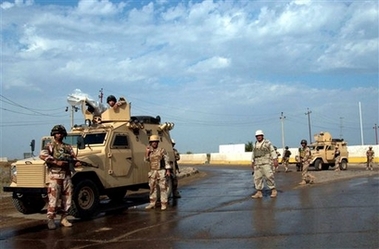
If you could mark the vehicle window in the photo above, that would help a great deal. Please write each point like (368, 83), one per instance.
(91, 139)
(120, 141)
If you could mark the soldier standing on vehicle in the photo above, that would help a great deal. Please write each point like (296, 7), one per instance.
(174, 179)
(305, 158)
(286, 158)
(263, 154)
(337, 158)
(159, 170)
(370, 158)
(58, 155)
(113, 103)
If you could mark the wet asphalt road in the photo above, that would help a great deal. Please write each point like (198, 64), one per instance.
(217, 211)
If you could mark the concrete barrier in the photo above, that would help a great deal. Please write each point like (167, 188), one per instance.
(3, 159)
(357, 154)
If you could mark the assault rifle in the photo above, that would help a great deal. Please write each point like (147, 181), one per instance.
(72, 162)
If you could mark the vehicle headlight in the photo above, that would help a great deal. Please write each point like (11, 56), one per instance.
(14, 172)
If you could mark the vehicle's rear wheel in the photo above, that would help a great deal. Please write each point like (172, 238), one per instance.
(28, 204)
(85, 199)
(343, 164)
(318, 164)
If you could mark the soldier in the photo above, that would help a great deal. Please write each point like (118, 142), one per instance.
(113, 103)
(337, 158)
(174, 179)
(286, 158)
(370, 158)
(277, 155)
(305, 158)
(159, 170)
(58, 156)
(263, 154)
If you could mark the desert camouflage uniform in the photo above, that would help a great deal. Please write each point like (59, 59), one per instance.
(337, 159)
(157, 175)
(173, 174)
(305, 159)
(286, 159)
(262, 156)
(60, 185)
(370, 158)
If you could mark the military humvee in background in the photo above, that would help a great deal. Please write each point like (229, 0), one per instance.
(111, 148)
(322, 150)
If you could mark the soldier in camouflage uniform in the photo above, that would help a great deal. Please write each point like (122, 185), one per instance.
(159, 170)
(370, 158)
(174, 179)
(113, 103)
(286, 158)
(274, 169)
(305, 158)
(262, 157)
(58, 156)
(337, 158)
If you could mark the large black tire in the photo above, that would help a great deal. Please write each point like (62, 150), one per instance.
(318, 164)
(85, 200)
(28, 204)
(343, 164)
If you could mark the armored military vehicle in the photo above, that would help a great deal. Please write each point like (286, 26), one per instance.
(111, 147)
(323, 148)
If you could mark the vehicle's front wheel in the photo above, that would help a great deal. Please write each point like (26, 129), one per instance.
(343, 164)
(28, 204)
(318, 164)
(85, 199)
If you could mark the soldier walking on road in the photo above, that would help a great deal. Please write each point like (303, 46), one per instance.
(305, 158)
(263, 154)
(159, 171)
(57, 156)
(370, 158)
(286, 158)
(337, 158)
(174, 178)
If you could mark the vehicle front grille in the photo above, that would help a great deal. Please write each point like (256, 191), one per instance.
(31, 175)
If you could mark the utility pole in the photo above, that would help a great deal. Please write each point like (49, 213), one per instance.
(73, 109)
(282, 121)
(376, 133)
(341, 126)
(101, 95)
(309, 125)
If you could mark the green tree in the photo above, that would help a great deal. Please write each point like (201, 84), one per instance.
(249, 146)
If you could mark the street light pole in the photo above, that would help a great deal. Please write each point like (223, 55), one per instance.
(309, 124)
(282, 121)
(376, 133)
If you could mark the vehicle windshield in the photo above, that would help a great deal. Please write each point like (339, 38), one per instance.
(97, 138)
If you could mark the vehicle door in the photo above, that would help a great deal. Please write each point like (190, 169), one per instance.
(329, 153)
(120, 155)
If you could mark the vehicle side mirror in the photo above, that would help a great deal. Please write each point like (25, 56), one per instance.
(32, 145)
(80, 143)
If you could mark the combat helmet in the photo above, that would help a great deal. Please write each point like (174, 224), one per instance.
(154, 138)
(111, 98)
(58, 129)
(304, 142)
(286, 147)
(259, 133)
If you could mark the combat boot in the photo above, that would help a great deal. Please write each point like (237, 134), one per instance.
(150, 206)
(274, 193)
(163, 206)
(303, 182)
(257, 195)
(177, 195)
(51, 224)
(286, 170)
(65, 222)
(337, 169)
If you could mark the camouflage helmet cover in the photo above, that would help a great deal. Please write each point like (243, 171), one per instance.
(58, 129)
(154, 138)
(303, 141)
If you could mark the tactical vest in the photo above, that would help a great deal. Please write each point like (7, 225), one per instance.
(262, 153)
(156, 159)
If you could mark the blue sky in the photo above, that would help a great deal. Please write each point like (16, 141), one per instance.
(218, 69)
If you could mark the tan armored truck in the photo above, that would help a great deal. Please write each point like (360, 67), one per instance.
(322, 150)
(111, 147)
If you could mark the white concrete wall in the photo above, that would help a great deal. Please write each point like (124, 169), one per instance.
(231, 148)
(357, 154)
(3, 159)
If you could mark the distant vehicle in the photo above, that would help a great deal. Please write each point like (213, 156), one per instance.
(111, 149)
(323, 148)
